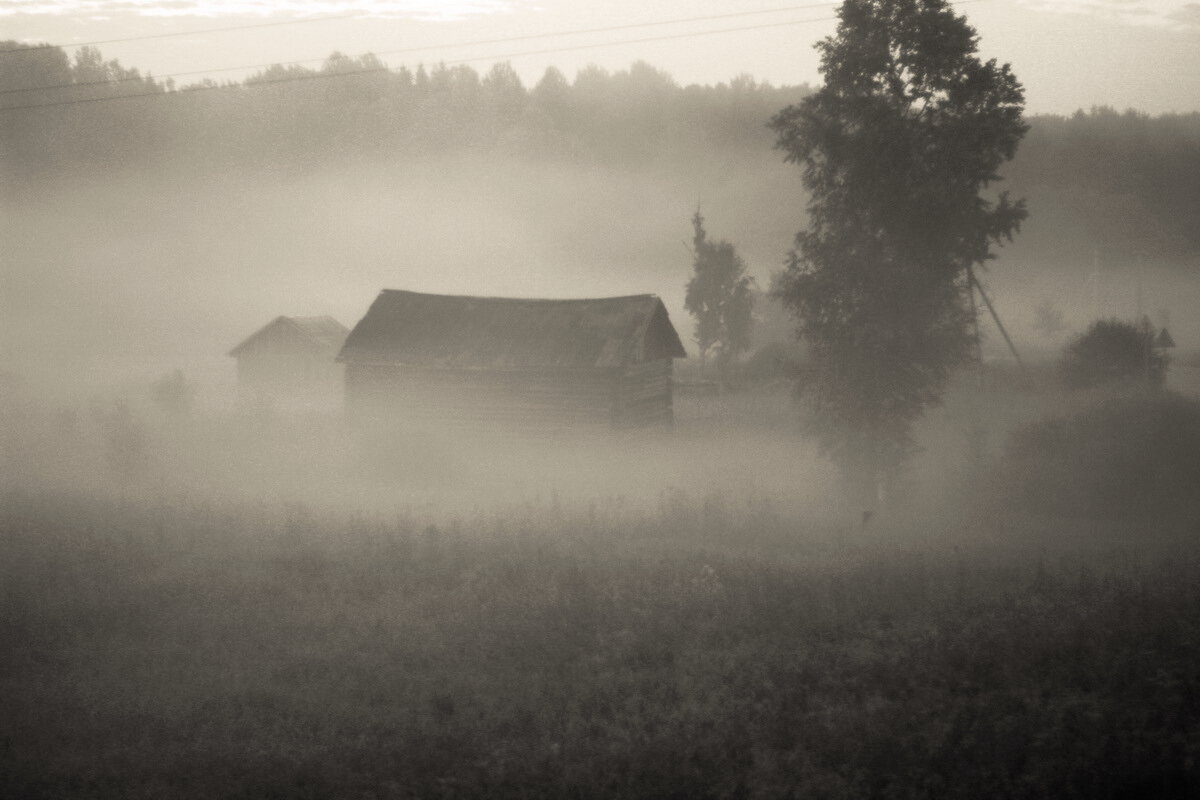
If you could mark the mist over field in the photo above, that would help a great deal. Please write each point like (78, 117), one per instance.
(210, 592)
(229, 206)
(222, 254)
(113, 282)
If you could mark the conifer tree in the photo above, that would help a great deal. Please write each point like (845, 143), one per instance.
(718, 296)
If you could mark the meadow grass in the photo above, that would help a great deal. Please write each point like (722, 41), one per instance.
(710, 646)
(241, 606)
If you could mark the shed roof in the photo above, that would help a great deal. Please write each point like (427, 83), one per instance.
(319, 333)
(461, 332)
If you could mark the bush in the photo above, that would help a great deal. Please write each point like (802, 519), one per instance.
(1114, 352)
(173, 394)
(1135, 456)
(771, 362)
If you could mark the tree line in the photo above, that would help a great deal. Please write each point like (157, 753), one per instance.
(1125, 180)
(351, 108)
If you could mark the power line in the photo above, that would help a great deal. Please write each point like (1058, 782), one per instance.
(377, 70)
(384, 69)
(36, 48)
(409, 50)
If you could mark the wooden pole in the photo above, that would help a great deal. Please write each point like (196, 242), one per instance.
(977, 433)
(996, 317)
(975, 323)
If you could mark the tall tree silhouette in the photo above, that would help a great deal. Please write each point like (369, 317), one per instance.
(718, 296)
(896, 148)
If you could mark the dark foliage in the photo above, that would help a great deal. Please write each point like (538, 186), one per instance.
(719, 297)
(1134, 457)
(1112, 352)
(294, 118)
(897, 147)
(774, 361)
(1125, 182)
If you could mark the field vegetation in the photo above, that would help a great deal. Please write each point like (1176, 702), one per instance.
(202, 599)
(685, 627)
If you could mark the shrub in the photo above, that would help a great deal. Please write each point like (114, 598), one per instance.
(124, 440)
(771, 362)
(1135, 456)
(1114, 352)
(173, 394)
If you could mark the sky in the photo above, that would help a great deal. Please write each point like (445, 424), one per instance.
(1070, 54)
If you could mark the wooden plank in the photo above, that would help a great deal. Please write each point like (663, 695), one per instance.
(532, 398)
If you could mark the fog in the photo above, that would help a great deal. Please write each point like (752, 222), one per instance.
(138, 272)
(157, 270)
(114, 279)
(215, 587)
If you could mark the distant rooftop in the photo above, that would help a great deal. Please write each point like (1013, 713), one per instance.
(464, 332)
(323, 333)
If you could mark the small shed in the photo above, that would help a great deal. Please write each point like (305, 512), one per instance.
(291, 357)
(527, 363)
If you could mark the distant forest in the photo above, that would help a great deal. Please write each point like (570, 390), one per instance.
(1126, 181)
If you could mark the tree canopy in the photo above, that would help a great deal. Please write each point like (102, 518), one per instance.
(718, 296)
(1121, 182)
(897, 148)
(1113, 352)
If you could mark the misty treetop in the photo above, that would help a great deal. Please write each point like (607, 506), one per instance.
(719, 297)
(1125, 183)
(352, 107)
(907, 130)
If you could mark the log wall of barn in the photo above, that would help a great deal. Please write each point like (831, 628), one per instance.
(644, 395)
(542, 400)
(286, 370)
(559, 400)
(276, 365)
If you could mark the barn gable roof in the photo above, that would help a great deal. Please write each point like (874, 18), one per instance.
(460, 332)
(318, 333)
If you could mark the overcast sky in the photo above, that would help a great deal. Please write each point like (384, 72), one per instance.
(1070, 54)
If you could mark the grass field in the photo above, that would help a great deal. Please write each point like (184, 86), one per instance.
(711, 635)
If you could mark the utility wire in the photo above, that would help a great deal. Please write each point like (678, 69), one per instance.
(408, 50)
(36, 48)
(377, 70)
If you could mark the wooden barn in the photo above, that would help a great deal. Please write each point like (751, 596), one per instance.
(291, 358)
(547, 365)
